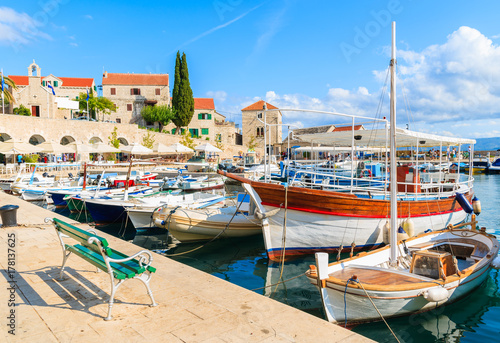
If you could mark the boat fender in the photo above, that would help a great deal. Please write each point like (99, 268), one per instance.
(409, 227)
(159, 223)
(435, 295)
(387, 232)
(462, 200)
(402, 235)
(496, 263)
(476, 205)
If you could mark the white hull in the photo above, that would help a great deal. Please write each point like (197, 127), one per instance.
(406, 296)
(308, 232)
(188, 225)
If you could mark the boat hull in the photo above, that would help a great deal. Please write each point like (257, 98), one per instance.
(188, 225)
(319, 220)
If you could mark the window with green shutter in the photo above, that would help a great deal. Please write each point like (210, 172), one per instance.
(173, 131)
(204, 131)
(56, 83)
(209, 116)
(43, 83)
(200, 116)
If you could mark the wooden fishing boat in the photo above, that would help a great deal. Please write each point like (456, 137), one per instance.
(304, 220)
(410, 275)
(432, 269)
(322, 220)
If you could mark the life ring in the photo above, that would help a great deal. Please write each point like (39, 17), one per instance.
(368, 173)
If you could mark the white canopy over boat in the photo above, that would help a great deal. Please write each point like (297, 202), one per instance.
(380, 138)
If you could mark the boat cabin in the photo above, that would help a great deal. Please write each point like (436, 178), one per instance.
(433, 264)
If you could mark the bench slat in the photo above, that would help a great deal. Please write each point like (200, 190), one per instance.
(96, 259)
(81, 236)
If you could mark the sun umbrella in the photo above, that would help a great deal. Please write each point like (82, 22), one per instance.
(16, 147)
(207, 147)
(136, 149)
(103, 148)
(178, 147)
(163, 149)
(80, 148)
(53, 148)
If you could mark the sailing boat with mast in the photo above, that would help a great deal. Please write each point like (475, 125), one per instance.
(408, 276)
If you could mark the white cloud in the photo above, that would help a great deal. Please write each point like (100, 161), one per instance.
(19, 28)
(73, 44)
(88, 16)
(219, 96)
(455, 84)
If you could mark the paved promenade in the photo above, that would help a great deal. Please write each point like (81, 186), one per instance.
(193, 306)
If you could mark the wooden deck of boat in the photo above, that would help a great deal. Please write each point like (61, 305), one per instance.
(375, 277)
(193, 306)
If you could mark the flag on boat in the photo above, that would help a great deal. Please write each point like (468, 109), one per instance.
(3, 82)
(50, 86)
(88, 94)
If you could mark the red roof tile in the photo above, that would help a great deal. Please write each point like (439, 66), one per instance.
(67, 81)
(135, 79)
(259, 105)
(204, 104)
(348, 128)
(20, 80)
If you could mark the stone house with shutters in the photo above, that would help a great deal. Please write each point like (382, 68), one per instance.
(208, 123)
(253, 126)
(131, 92)
(35, 94)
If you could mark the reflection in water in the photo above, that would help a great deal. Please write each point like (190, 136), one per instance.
(243, 261)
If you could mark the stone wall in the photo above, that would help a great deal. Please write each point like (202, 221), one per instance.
(250, 123)
(123, 97)
(23, 128)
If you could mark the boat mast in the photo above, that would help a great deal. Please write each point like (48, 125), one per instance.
(393, 171)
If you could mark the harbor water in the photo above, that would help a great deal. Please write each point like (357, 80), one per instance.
(243, 262)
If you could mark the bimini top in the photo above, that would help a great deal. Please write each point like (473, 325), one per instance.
(380, 138)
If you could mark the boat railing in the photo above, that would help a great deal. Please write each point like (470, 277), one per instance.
(430, 185)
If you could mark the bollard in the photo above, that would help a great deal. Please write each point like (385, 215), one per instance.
(9, 215)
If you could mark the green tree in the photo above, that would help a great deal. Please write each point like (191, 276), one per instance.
(182, 100)
(96, 105)
(177, 79)
(148, 140)
(162, 114)
(113, 139)
(8, 95)
(22, 111)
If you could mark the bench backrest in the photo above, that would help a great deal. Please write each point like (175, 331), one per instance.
(81, 236)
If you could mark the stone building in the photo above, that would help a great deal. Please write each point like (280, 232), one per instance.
(253, 127)
(208, 124)
(34, 93)
(131, 92)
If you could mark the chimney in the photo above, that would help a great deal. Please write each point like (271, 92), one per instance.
(105, 75)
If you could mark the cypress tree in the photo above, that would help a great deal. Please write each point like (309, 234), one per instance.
(184, 102)
(177, 81)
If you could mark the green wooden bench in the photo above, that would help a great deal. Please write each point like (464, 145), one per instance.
(96, 250)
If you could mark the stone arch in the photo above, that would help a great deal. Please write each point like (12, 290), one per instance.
(94, 140)
(4, 137)
(36, 139)
(123, 141)
(66, 140)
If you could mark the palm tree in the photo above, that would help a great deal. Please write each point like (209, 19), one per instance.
(8, 95)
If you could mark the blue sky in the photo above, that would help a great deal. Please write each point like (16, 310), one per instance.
(324, 54)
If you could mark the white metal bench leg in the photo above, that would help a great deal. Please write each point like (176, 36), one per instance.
(65, 258)
(145, 278)
(112, 296)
